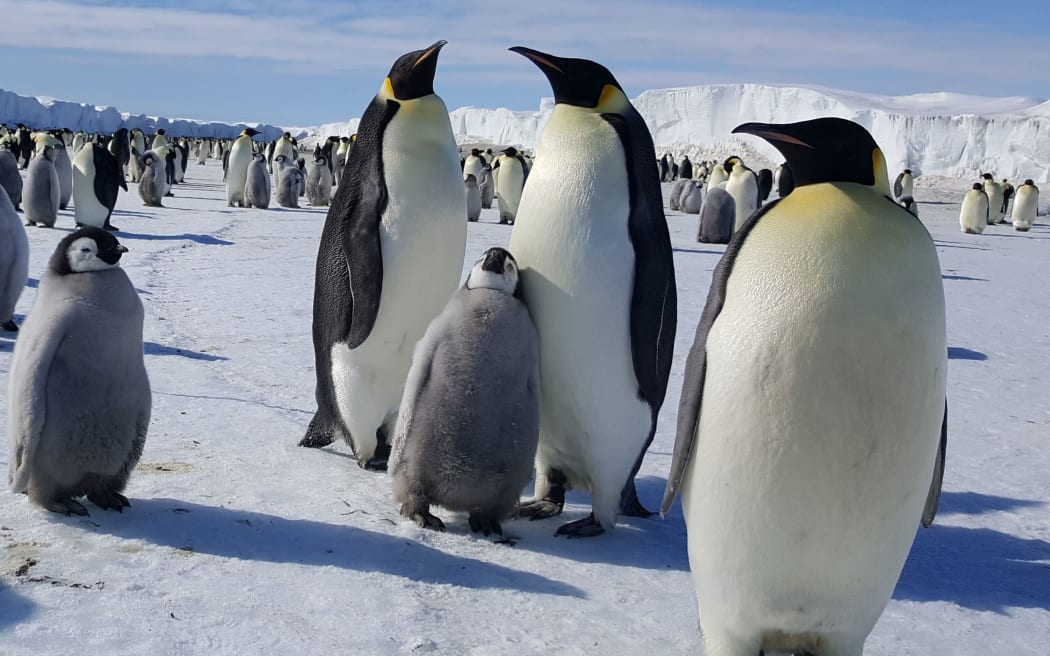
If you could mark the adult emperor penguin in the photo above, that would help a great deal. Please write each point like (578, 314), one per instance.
(237, 167)
(97, 175)
(812, 406)
(742, 185)
(120, 146)
(1026, 204)
(509, 173)
(10, 179)
(159, 140)
(974, 211)
(14, 261)
(473, 164)
(903, 185)
(470, 417)
(78, 394)
(594, 251)
(391, 255)
(995, 199)
(718, 176)
(283, 146)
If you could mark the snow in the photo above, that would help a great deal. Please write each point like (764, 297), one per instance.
(240, 542)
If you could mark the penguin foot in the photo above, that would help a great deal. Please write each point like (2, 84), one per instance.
(108, 500)
(66, 507)
(423, 517)
(588, 527)
(485, 524)
(110, 226)
(541, 508)
(379, 459)
(629, 503)
(9, 326)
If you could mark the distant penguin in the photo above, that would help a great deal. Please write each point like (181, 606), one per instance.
(995, 199)
(14, 261)
(903, 185)
(301, 165)
(717, 216)
(202, 151)
(487, 187)
(391, 255)
(691, 197)
(473, 164)
(277, 166)
(319, 182)
(700, 171)
(785, 181)
(257, 183)
(151, 180)
(664, 169)
(594, 250)
(96, 180)
(685, 169)
(974, 211)
(159, 141)
(79, 398)
(908, 203)
(473, 198)
(718, 176)
(40, 195)
(10, 178)
(673, 201)
(510, 180)
(135, 165)
(24, 143)
(182, 154)
(1026, 205)
(64, 169)
(765, 185)
(166, 155)
(291, 181)
(283, 147)
(120, 146)
(237, 167)
(1008, 193)
(812, 422)
(469, 420)
(742, 185)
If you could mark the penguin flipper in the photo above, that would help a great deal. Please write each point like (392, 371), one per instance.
(934, 496)
(898, 188)
(696, 362)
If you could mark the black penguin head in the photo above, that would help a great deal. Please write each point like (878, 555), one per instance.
(978, 186)
(510, 151)
(907, 171)
(986, 176)
(1029, 182)
(826, 150)
(160, 131)
(475, 152)
(730, 162)
(496, 269)
(249, 132)
(412, 75)
(579, 82)
(86, 250)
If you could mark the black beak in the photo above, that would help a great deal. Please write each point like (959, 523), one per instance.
(494, 260)
(770, 133)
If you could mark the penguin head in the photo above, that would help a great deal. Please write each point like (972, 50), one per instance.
(826, 150)
(907, 171)
(579, 82)
(249, 132)
(496, 269)
(86, 250)
(730, 162)
(510, 151)
(1029, 183)
(978, 186)
(475, 152)
(320, 160)
(48, 152)
(412, 75)
(986, 176)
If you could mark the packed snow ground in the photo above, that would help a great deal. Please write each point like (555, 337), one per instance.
(240, 542)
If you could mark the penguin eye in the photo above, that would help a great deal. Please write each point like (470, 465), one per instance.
(85, 250)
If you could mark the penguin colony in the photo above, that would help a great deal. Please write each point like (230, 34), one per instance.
(462, 391)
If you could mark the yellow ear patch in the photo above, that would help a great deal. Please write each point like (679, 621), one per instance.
(387, 90)
(878, 168)
(611, 100)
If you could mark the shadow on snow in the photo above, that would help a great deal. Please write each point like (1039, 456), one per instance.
(960, 353)
(153, 348)
(14, 608)
(206, 240)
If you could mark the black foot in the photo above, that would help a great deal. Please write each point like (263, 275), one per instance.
(66, 507)
(9, 326)
(485, 524)
(423, 518)
(550, 505)
(316, 435)
(629, 503)
(109, 501)
(588, 527)
(378, 460)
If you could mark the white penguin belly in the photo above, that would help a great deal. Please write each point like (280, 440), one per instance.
(1025, 205)
(237, 169)
(820, 419)
(86, 207)
(423, 241)
(973, 215)
(577, 262)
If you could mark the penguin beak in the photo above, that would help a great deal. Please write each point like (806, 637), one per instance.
(123, 248)
(432, 50)
(770, 132)
(412, 75)
(547, 63)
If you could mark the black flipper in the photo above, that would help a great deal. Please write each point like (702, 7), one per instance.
(654, 299)
(696, 363)
(108, 178)
(898, 188)
(933, 499)
(349, 277)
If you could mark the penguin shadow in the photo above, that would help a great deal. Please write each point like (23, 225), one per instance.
(14, 608)
(956, 277)
(977, 568)
(298, 210)
(246, 535)
(7, 340)
(960, 353)
(975, 503)
(32, 283)
(697, 251)
(153, 348)
(205, 240)
(235, 399)
(939, 243)
(140, 215)
(653, 542)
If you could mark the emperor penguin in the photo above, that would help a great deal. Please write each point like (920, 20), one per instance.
(995, 199)
(742, 185)
(718, 176)
(159, 140)
(64, 169)
(974, 211)
(203, 147)
(288, 186)
(486, 187)
(717, 216)
(151, 180)
(319, 182)
(237, 167)
(1008, 193)
(1026, 204)
(812, 423)
(41, 192)
(391, 255)
(903, 185)
(120, 146)
(473, 198)
(470, 417)
(765, 185)
(78, 394)
(509, 172)
(785, 181)
(691, 196)
(594, 251)
(97, 176)
(473, 164)
(257, 183)
(685, 169)
(14, 261)
(676, 191)
(283, 146)
(10, 178)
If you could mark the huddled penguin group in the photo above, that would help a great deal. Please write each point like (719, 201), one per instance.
(812, 422)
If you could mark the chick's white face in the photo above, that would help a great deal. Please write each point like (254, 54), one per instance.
(499, 273)
(83, 257)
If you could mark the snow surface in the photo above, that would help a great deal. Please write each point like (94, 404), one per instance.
(240, 542)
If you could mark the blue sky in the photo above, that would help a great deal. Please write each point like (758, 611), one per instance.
(305, 62)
